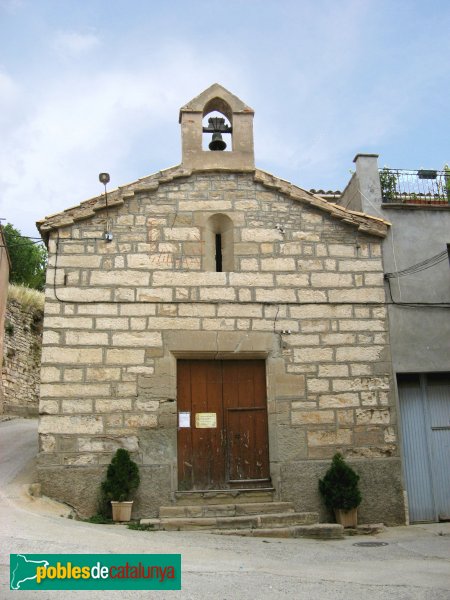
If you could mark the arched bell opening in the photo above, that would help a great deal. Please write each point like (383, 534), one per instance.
(217, 126)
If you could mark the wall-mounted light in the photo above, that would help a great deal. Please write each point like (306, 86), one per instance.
(107, 235)
(104, 178)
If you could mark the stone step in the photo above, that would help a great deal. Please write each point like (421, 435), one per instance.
(225, 510)
(264, 521)
(233, 496)
(318, 531)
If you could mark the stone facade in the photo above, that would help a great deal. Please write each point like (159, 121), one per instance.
(21, 359)
(303, 290)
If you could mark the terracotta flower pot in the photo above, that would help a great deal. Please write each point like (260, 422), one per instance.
(121, 511)
(346, 518)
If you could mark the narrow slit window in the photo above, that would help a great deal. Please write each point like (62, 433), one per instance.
(219, 244)
(218, 252)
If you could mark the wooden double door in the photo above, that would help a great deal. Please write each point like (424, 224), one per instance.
(222, 424)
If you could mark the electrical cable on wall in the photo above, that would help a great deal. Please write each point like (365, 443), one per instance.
(414, 304)
(412, 270)
(216, 302)
(422, 266)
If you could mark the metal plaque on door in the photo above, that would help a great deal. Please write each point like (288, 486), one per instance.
(206, 420)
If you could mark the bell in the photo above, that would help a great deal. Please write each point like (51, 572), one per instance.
(217, 142)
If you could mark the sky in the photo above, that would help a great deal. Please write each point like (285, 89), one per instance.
(88, 86)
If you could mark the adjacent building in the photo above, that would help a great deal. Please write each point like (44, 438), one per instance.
(416, 203)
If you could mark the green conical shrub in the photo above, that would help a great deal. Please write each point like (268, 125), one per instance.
(339, 487)
(122, 480)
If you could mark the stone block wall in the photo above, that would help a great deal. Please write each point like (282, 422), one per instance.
(21, 359)
(305, 293)
(4, 278)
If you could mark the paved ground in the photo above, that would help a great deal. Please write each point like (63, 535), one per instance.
(414, 565)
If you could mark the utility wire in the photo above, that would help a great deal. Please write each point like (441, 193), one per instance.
(414, 304)
(30, 243)
(387, 276)
(422, 266)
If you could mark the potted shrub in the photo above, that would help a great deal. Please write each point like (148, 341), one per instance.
(340, 491)
(122, 480)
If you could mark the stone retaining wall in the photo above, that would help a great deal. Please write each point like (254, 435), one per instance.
(21, 359)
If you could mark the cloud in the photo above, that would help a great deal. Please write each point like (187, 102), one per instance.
(72, 44)
(325, 83)
(9, 89)
(12, 5)
(120, 120)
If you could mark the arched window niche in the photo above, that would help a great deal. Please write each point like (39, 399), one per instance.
(219, 243)
(218, 107)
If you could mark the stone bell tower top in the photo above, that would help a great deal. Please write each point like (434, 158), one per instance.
(217, 98)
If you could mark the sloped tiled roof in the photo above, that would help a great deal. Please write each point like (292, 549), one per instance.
(87, 209)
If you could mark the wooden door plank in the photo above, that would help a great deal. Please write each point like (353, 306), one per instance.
(201, 392)
(237, 449)
(246, 406)
(210, 471)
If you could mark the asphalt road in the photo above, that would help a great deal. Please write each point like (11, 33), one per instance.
(413, 565)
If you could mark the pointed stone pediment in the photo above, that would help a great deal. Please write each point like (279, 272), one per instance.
(203, 101)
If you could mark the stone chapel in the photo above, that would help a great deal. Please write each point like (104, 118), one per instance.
(225, 326)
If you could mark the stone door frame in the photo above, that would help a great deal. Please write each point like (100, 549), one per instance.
(212, 345)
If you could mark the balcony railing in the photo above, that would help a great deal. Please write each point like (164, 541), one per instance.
(423, 186)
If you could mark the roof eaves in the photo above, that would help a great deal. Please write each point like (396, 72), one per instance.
(88, 208)
(150, 183)
(364, 222)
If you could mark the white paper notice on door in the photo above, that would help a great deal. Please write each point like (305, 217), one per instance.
(206, 420)
(184, 419)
